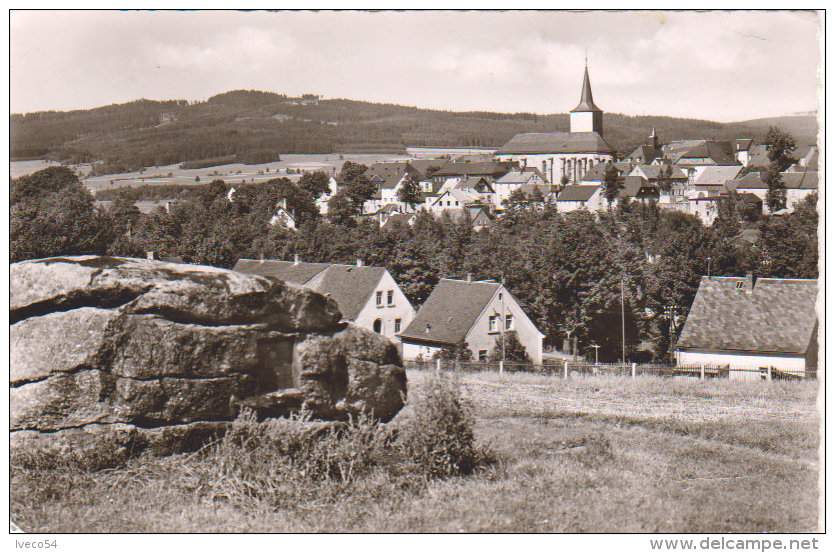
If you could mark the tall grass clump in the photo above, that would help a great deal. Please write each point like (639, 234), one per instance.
(438, 437)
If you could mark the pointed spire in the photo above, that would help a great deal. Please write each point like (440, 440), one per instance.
(586, 101)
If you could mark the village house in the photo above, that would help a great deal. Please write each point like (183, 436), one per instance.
(322, 201)
(648, 152)
(477, 312)
(806, 156)
(564, 155)
(282, 216)
(579, 196)
(368, 296)
(506, 185)
(798, 186)
(752, 323)
(490, 169)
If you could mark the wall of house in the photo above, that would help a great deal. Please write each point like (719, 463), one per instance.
(554, 166)
(387, 313)
(481, 338)
(795, 365)
(413, 351)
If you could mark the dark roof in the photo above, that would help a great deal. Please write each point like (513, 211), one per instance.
(598, 171)
(807, 180)
(423, 165)
(758, 154)
(556, 142)
(530, 189)
(396, 218)
(718, 152)
(646, 152)
(777, 316)
(349, 285)
(632, 187)
(576, 193)
(717, 174)
(450, 311)
(586, 100)
(652, 172)
(298, 273)
(743, 144)
(482, 168)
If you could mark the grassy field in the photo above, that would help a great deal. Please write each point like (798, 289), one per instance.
(586, 455)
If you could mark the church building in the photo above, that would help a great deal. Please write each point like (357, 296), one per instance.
(564, 157)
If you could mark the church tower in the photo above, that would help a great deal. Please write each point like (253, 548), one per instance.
(586, 117)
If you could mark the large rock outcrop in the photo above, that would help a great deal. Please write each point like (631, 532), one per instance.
(160, 356)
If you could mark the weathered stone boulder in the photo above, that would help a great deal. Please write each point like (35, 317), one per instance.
(160, 356)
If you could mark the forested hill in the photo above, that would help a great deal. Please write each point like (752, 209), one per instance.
(257, 126)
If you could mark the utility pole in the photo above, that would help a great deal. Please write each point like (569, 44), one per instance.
(622, 324)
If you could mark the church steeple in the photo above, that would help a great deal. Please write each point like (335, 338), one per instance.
(586, 117)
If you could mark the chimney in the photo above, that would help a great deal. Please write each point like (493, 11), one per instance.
(295, 259)
(469, 277)
(359, 262)
(428, 327)
(261, 258)
(149, 255)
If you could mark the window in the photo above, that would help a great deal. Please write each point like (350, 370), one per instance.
(397, 323)
(482, 355)
(508, 322)
(378, 326)
(390, 297)
(494, 323)
(379, 298)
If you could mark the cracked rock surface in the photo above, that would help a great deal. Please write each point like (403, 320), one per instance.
(161, 356)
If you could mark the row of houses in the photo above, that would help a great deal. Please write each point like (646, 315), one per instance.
(746, 325)
(476, 312)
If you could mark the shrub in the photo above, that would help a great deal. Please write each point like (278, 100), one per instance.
(439, 435)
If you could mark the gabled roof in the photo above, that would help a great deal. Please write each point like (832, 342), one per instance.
(807, 180)
(298, 273)
(598, 171)
(520, 176)
(717, 175)
(777, 316)
(349, 285)
(395, 219)
(652, 171)
(556, 143)
(646, 152)
(423, 165)
(450, 311)
(717, 152)
(485, 168)
(758, 154)
(530, 189)
(470, 183)
(632, 187)
(576, 193)
(743, 144)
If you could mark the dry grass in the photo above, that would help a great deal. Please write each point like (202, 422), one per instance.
(592, 455)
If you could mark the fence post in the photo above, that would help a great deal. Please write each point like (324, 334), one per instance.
(701, 372)
(438, 365)
(565, 370)
(501, 367)
(634, 367)
(769, 373)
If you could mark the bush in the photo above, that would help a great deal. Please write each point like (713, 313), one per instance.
(439, 435)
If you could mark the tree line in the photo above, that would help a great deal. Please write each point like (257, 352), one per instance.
(566, 270)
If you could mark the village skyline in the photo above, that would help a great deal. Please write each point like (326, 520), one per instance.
(642, 63)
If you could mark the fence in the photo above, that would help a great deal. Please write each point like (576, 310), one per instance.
(567, 369)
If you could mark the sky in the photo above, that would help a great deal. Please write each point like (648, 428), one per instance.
(722, 66)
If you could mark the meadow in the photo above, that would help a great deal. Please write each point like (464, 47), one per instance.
(596, 454)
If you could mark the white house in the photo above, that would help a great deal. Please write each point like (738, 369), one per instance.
(573, 197)
(564, 154)
(752, 323)
(322, 202)
(798, 185)
(477, 312)
(282, 216)
(368, 296)
(506, 185)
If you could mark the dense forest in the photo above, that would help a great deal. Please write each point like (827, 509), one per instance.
(258, 126)
(565, 269)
